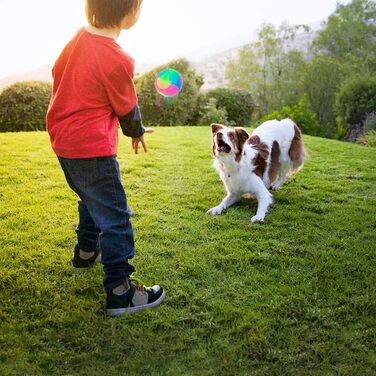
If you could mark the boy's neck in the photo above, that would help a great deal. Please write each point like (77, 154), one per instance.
(109, 33)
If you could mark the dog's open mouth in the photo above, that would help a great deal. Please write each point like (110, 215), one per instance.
(222, 147)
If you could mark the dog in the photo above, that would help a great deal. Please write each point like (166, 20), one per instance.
(253, 164)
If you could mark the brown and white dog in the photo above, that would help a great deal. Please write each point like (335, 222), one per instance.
(251, 164)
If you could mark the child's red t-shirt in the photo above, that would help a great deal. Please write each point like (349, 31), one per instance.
(93, 86)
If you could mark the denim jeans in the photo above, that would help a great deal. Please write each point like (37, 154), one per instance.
(104, 215)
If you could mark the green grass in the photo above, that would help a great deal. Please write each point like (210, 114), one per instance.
(292, 296)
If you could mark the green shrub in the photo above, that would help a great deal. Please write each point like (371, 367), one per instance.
(355, 101)
(305, 119)
(213, 114)
(239, 104)
(370, 122)
(23, 106)
(180, 110)
(368, 139)
(371, 138)
(321, 81)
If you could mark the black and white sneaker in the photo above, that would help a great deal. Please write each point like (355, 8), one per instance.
(129, 298)
(84, 259)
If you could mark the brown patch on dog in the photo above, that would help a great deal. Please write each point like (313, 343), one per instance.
(254, 140)
(241, 136)
(297, 151)
(214, 129)
(275, 164)
(260, 160)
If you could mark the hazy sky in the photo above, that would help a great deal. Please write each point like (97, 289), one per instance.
(33, 32)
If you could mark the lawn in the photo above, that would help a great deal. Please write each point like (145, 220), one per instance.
(295, 295)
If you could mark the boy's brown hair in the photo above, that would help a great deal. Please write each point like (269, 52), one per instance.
(108, 13)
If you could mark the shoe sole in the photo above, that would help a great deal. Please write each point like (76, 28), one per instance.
(131, 310)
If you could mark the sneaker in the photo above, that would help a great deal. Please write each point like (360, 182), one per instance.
(84, 259)
(129, 298)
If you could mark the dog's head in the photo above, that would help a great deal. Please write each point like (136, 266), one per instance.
(227, 141)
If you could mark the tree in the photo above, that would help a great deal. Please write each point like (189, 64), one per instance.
(287, 88)
(322, 79)
(349, 35)
(239, 104)
(180, 110)
(266, 67)
(244, 73)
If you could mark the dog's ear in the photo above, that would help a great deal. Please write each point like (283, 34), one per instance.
(216, 127)
(254, 140)
(242, 135)
(241, 138)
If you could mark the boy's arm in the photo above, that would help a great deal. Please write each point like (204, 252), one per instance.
(131, 123)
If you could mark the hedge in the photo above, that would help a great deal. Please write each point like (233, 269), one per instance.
(179, 110)
(23, 106)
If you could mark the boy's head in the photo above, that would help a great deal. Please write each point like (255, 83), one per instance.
(106, 14)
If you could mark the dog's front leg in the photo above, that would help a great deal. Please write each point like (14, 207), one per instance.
(264, 199)
(229, 200)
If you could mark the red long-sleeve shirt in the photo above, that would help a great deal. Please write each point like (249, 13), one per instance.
(93, 86)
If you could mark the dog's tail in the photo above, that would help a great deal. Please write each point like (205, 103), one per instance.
(297, 151)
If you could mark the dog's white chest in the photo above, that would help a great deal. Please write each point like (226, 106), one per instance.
(235, 180)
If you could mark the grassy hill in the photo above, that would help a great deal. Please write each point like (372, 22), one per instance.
(292, 296)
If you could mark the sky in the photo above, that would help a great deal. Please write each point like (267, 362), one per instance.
(33, 32)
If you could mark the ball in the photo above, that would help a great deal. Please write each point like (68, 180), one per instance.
(168, 82)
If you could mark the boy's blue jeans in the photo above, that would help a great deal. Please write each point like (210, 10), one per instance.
(104, 215)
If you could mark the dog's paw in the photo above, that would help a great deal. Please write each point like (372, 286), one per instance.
(277, 185)
(217, 210)
(258, 218)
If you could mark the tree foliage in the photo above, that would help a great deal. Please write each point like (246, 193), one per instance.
(279, 76)
(322, 79)
(180, 110)
(23, 106)
(355, 102)
(267, 67)
(239, 104)
(212, 113)
(349, 35)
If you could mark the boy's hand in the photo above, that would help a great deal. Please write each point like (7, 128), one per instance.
(136, 141)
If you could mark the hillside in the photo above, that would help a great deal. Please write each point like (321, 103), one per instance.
(213, 67)
(210, 62)
(44, 74)
(292, 296)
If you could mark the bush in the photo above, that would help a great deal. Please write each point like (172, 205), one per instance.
(180, 110)
(23, 106)
(321, 81)
(212, 114)
(368, 139)
(355, 102)
(238, 104)
(305, 119)
(370, 122)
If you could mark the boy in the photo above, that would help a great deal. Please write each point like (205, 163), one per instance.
(93, 91)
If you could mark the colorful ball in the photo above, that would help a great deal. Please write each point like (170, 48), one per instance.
(168, 82)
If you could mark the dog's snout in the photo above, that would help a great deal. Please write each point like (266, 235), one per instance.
(219, 134)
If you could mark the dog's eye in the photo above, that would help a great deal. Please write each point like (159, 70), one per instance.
(232, 137)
